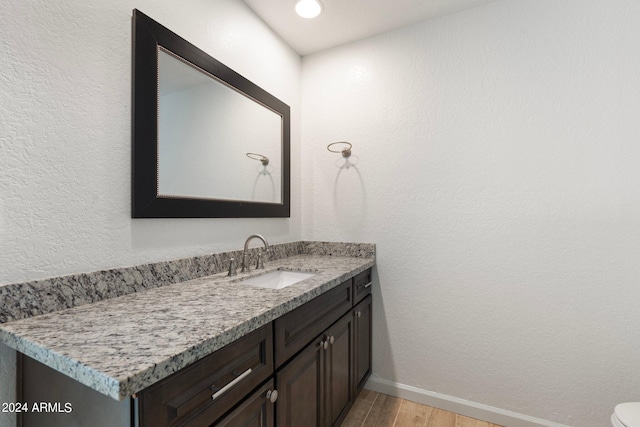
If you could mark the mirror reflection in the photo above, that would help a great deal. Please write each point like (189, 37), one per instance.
(205, 130)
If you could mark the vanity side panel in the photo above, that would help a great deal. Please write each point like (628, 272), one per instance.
(72, 403)
(8, 379)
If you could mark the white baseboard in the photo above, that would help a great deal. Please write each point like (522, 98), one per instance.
(460, 406)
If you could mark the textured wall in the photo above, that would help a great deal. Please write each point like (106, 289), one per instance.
(65, 135)
(496, 168)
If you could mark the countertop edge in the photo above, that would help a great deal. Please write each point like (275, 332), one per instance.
(84, 374)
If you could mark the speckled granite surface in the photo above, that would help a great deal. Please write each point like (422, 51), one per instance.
(121, 345)
(23, 300)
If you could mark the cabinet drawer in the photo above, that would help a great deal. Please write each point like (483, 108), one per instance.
(361, 286)
(296, 329)
(201, 393)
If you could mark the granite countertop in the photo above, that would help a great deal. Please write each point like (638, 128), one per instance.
(122, 345)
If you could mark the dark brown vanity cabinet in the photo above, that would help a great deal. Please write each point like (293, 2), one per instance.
(303, 369)
(318, 386)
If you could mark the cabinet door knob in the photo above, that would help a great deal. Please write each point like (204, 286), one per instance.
(358, 314)
(272, 395)
(324, 344)
(332, 339)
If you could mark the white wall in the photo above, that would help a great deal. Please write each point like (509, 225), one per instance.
(496, 167)
(65, 136)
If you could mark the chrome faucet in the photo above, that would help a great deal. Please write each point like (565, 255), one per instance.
(245, 253)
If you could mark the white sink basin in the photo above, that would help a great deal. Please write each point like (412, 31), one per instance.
(277, 279)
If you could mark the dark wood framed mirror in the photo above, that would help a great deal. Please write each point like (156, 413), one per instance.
(207, 142)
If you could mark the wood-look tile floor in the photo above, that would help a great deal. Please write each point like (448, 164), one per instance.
(373, 409)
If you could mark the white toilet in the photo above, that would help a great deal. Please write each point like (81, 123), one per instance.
(626, 415)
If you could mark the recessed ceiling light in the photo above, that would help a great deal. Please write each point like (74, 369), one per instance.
(308, 8)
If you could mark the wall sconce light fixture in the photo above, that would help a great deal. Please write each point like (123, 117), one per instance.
(346, 150)
(263, 159)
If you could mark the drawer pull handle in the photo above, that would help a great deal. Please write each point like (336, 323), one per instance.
(368, 285)
(231, 384)
(272, 395)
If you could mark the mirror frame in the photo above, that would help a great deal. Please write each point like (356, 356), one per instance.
(148, 35)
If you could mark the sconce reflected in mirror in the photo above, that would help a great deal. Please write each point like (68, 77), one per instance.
(262, 187)
(346, 150)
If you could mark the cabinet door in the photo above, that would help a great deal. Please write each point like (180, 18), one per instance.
(300, 384)
(339, 370)
(256, 411)
(363, 319)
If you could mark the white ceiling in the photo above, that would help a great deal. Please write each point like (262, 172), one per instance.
(344, 21)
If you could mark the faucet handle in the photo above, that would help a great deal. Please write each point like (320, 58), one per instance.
(232, 267)
(260, 263)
